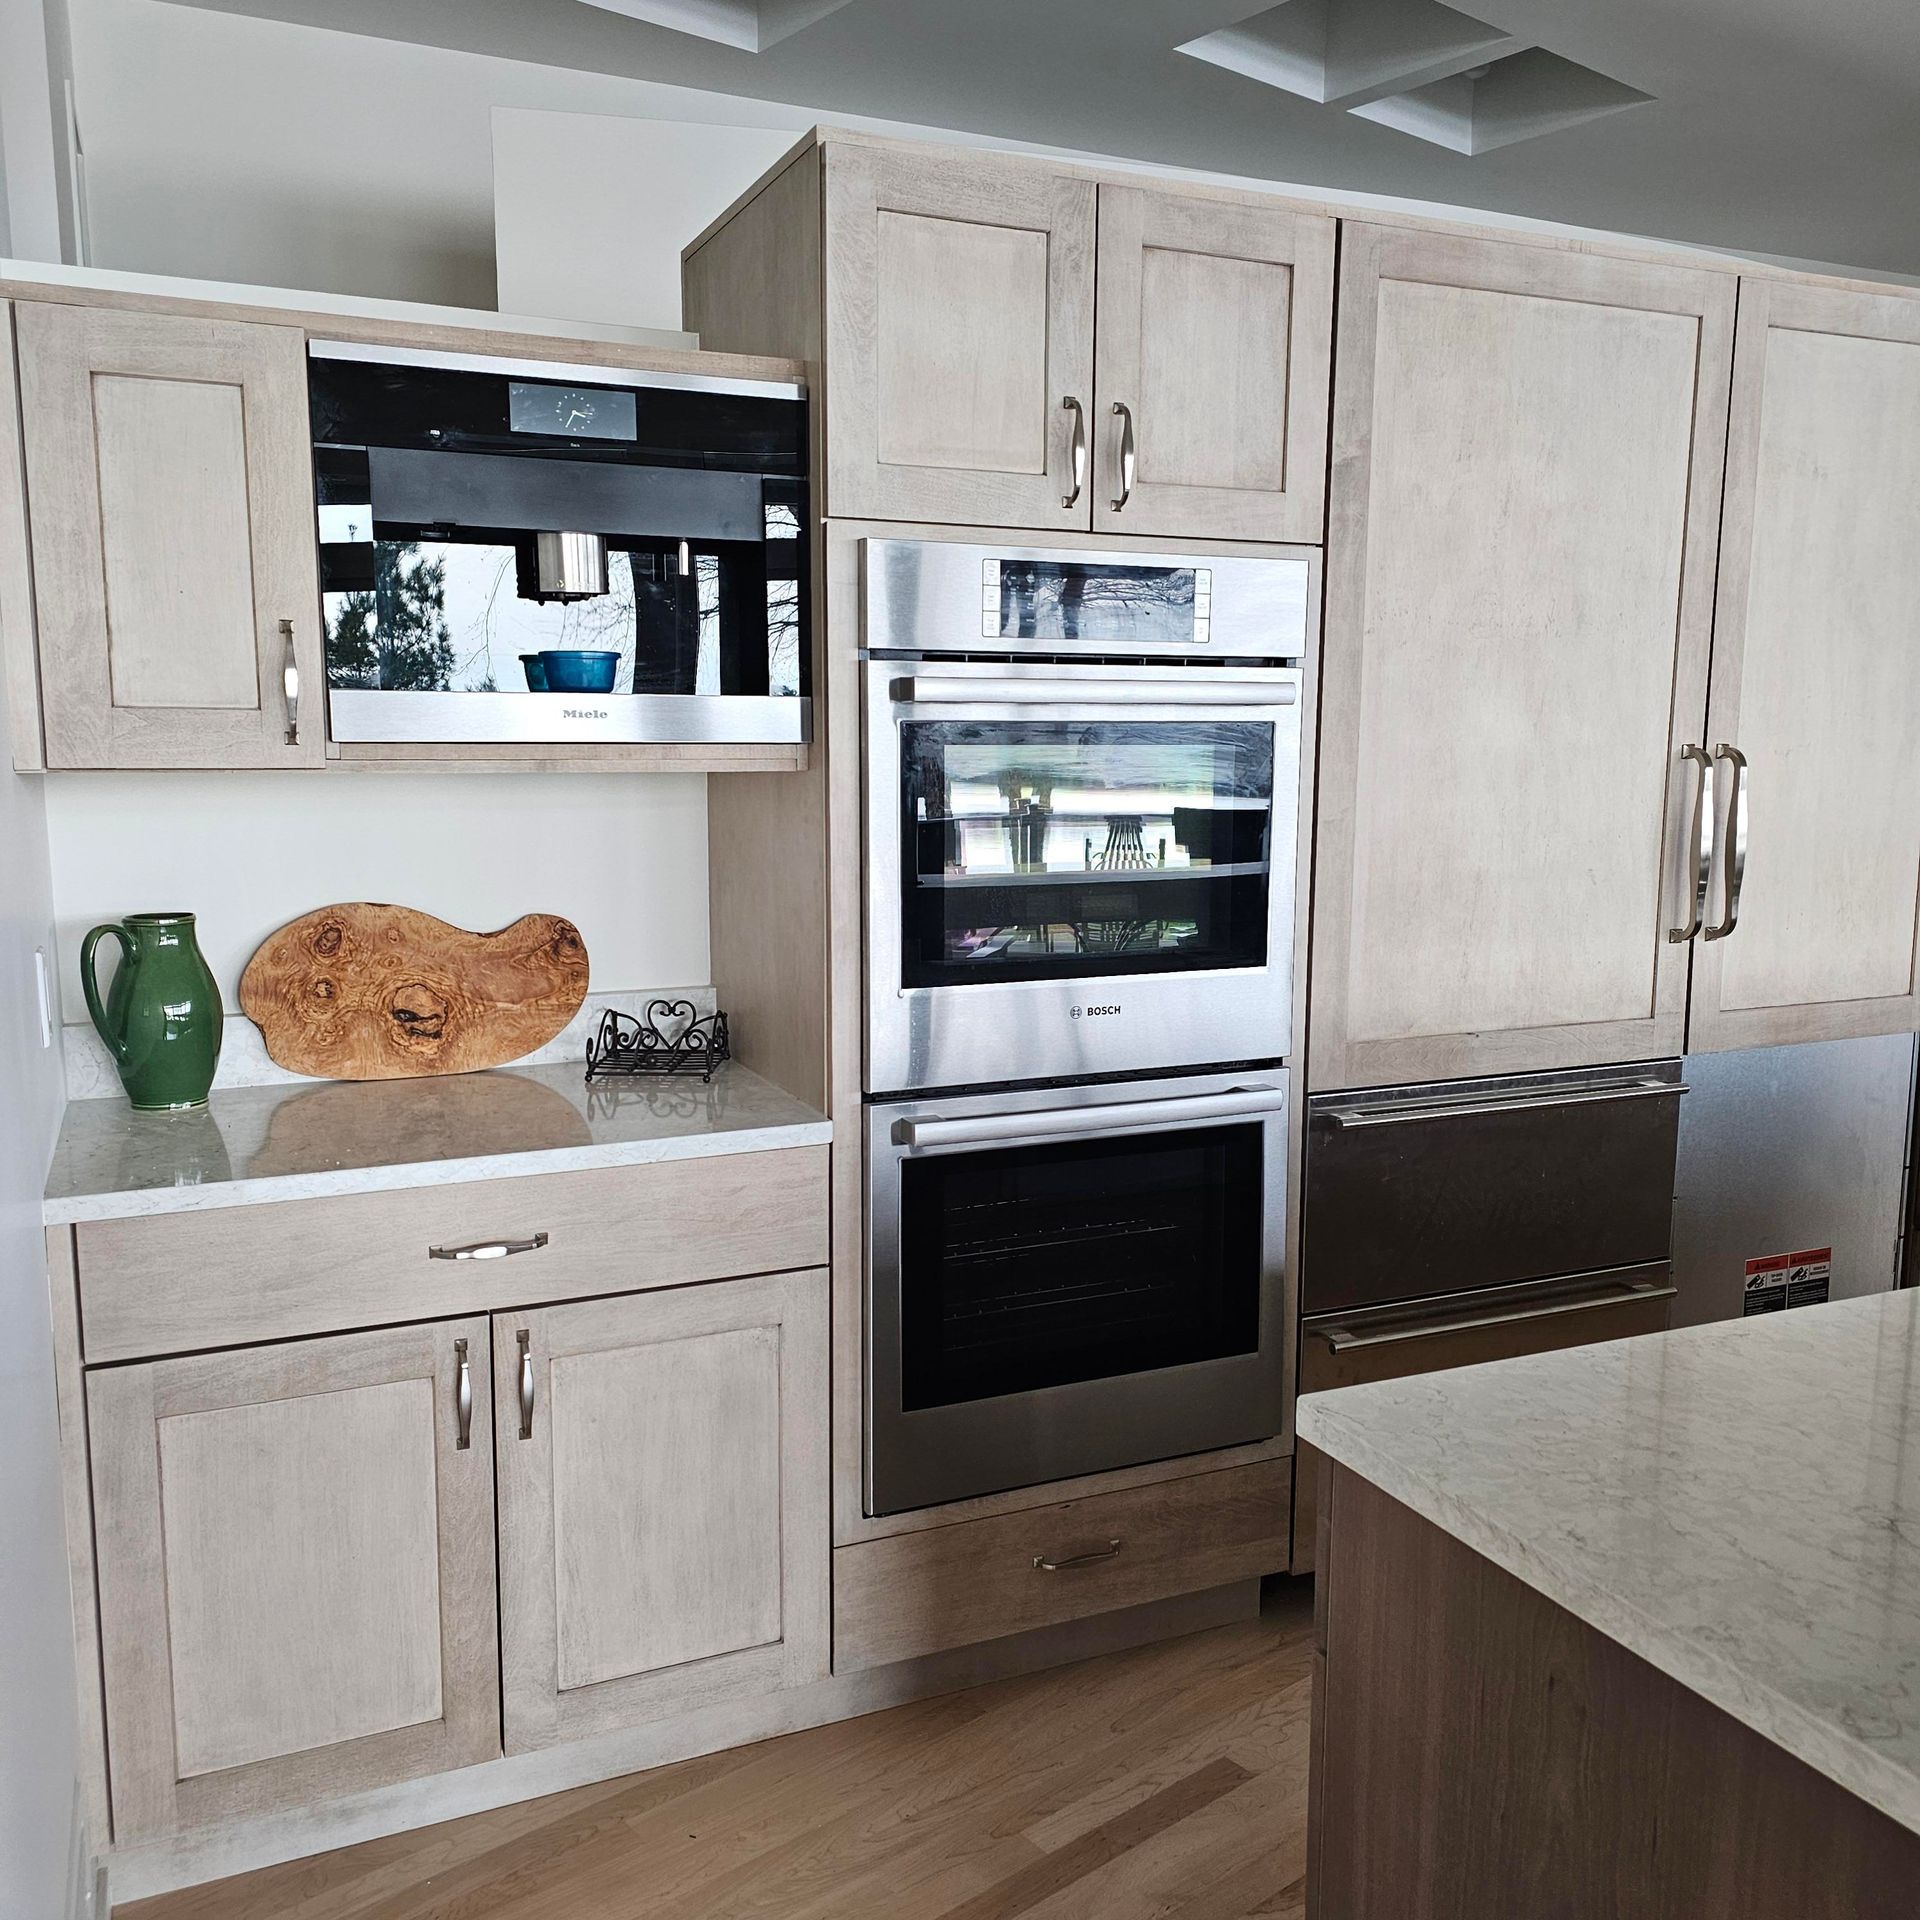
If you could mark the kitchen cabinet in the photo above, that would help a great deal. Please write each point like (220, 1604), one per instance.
(19, 667)
(1212, 348)
(1527, 460)
(663, 1503)
(296, 1570)
(1816, 673)
(174, 562)
(1009, 345)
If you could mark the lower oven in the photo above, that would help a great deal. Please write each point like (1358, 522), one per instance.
(1452, 1223)
(1064, 1281)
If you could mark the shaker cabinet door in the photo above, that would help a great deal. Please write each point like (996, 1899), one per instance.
(1526, 493)
(663, 1503)
(1213, 345)
(296, 1568)
(1816, 673)
(175, 567)
(959, 330)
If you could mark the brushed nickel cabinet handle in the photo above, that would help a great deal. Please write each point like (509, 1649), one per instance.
(488, 1249)
(1078, 445)
(1700, 840)
(1044, 1563)
(526, 1385)
(1125, 494)
(1733, 863)
(462, 1397)
(290, 684)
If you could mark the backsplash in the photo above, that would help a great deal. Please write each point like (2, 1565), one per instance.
(244, 1062)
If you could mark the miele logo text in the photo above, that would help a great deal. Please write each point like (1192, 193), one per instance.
(584, 713)
(1092, 1013)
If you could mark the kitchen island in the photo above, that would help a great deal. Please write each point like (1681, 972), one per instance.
(1630, 1631)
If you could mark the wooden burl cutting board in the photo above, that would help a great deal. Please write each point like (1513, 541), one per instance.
(368, 992)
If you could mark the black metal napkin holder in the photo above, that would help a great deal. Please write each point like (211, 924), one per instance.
(669, 1037)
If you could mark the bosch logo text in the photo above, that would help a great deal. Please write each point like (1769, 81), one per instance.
(1092, 1013)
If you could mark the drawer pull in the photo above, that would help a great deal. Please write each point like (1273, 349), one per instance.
(526, 1385)
(462, 1398)
(488, 1249)
(1042, 1563)
(1344, 1340)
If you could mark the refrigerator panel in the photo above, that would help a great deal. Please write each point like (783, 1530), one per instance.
(1786, 1152)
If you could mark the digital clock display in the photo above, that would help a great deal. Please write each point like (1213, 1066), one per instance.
(578, 413)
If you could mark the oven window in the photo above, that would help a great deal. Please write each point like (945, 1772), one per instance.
(1029, 1267)
(1056, 850)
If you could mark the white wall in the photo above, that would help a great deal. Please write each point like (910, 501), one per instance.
(36, 1649)
(35, 182)
(624, 856)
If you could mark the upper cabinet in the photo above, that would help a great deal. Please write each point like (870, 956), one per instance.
(1528, 446)
(174, 566)
(1211, 364)
(1816, 675)
(1010, 346)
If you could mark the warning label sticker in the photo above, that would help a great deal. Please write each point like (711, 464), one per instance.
(1776, 1281)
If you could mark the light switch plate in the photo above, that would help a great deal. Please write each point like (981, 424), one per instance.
(43, 981)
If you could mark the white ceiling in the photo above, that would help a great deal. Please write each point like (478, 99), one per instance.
(1776, 127)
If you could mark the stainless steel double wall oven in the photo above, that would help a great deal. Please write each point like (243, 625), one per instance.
(1082, 774)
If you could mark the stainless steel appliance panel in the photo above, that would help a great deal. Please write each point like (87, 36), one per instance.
(648, 719)
(1786, 1151)
(1084, 1251)
(1459, 1186)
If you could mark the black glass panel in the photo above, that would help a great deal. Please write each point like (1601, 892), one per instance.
(1062, 600)
(1030, 1267)
(1057, 850)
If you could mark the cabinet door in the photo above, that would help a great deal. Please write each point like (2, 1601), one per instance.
(175, 566)
(1816, 671)
(959, 324)
(1526, 493)
(296, 1550)
(663, 1503)
(1213, 343)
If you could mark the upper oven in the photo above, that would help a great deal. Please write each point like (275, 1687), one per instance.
(1082, 776)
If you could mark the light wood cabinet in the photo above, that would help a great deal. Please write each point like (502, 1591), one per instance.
(1212, 349)
(663, 1503)
(959, 321)
(970, 379)
(19, 663)
(1527, 459)
(296, 1571)
(1816, 671)
(175, 569)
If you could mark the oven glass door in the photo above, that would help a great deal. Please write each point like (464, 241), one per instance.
(1051, 1297)
(1036, 848)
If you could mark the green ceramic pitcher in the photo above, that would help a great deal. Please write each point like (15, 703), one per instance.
(161, 1018)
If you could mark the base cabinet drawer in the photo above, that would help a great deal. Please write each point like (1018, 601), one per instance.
(920, 1593)
(169, 1283)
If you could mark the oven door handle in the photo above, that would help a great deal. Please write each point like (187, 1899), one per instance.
(1197, 690)
(1117, 1116)
(1634, 1293)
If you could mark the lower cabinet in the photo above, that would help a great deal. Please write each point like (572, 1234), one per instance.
(297, 1543)
(663, 1503)
(296, 1570)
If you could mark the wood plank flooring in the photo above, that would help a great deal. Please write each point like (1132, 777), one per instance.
(1168, 1783)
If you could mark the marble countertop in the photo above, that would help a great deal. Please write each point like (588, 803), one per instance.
(1739, 1504)
(321, 1136)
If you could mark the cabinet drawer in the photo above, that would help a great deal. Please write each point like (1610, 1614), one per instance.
(172, 1282)
(918, 1593)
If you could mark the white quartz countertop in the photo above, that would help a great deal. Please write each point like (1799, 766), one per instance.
(1738, 1504)
(321, 1137)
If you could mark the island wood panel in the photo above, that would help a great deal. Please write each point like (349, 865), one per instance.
(170, 474)
(920, 1593)
(1816, 671)
(1527, 463)
(959, 316)
(276, 1270)
(296, 1572)
(19, 653)
(664, 1536)
(1481, 1751)
(1215, 329)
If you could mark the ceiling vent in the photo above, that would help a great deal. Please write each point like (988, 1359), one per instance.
(1417, 66)
(755, 25)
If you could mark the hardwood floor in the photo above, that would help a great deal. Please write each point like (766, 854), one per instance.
(1169, 1781)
